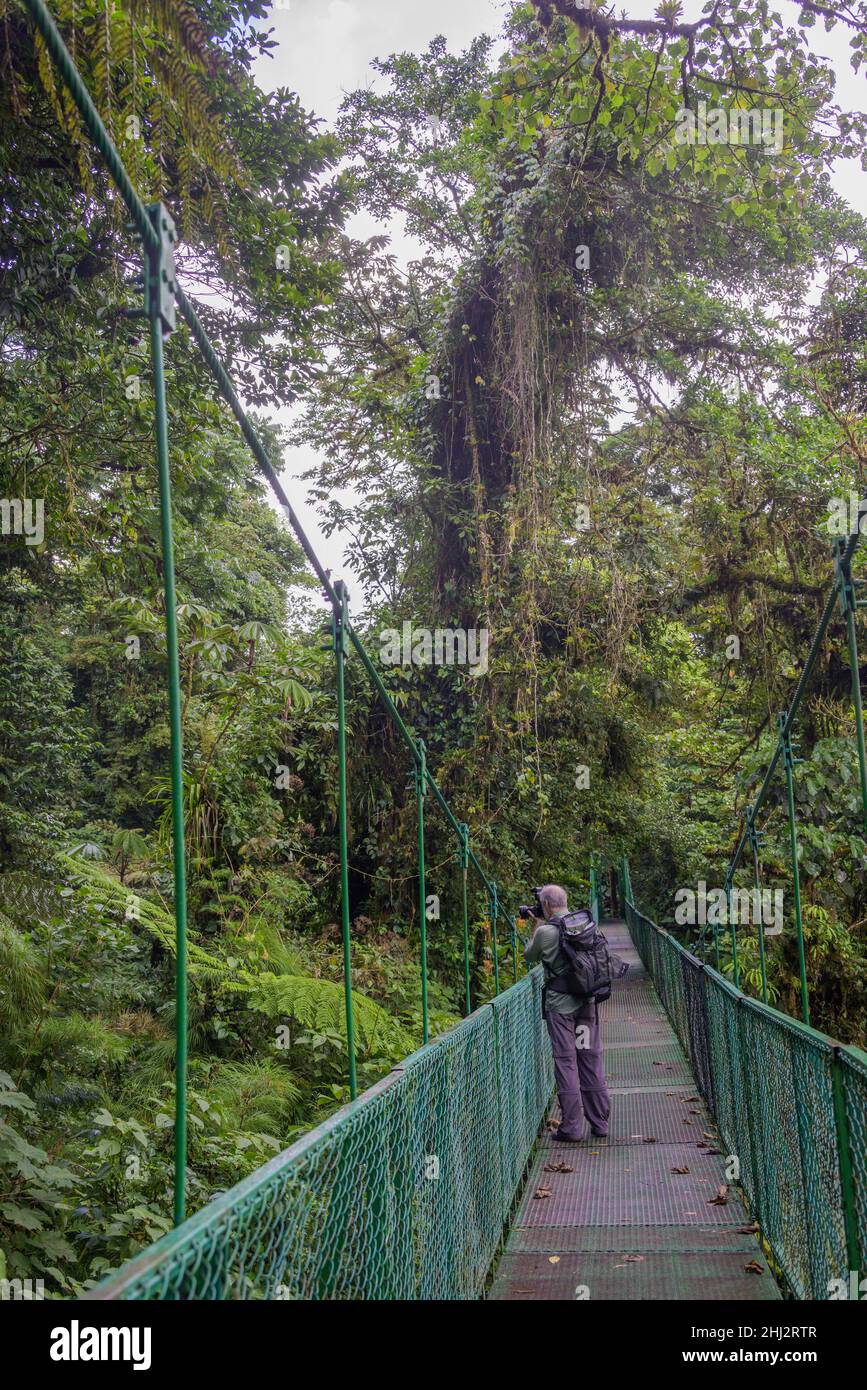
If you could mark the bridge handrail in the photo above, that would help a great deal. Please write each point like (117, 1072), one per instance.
(791, 1107)
(402, 1194)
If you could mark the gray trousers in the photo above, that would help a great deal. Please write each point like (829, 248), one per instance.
(579, 1072)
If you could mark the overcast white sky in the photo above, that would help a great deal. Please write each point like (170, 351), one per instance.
(326, 46)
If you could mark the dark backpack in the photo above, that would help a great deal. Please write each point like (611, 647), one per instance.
(590, 970)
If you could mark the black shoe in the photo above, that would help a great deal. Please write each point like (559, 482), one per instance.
(562, 1138)
(599, 1133)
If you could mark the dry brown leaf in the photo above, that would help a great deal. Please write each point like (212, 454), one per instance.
(721, 1198)
(680, 1170)
(542, 1192)
(754, 1268)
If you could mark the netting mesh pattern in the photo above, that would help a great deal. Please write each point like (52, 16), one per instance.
(770, 1082)
(402, 1195)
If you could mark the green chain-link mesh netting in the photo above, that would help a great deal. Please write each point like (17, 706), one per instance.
(769, 1080)
(402, 1195)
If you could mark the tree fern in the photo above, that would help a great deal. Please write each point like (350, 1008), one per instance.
(95, 886)
(320, 1005)
(165, 44)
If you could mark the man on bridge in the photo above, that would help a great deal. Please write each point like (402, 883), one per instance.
(572, 1020)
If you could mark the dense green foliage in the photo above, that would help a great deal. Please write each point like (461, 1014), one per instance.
(613, 462)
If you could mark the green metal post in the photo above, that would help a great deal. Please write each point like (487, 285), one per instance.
(514, 932)
(736, 974)
(159, 303)
(341, 651)
(789, 760)
(494, 910)
(420, 792)
(464, 863)
(754, 845)
(848, 604)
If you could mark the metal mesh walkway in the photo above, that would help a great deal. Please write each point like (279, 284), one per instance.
(640, 1214)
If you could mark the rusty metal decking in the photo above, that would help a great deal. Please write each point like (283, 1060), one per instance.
(646, 1212)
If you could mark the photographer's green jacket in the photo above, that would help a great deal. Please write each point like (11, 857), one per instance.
(544, 946)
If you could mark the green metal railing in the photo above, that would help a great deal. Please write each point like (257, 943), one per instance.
(791, 1106)
(842, 591)
(163, 296)
(403, 1194)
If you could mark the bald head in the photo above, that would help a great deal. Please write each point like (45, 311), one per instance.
(553, 899)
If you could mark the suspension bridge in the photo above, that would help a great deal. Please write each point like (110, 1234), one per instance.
(737, 1162)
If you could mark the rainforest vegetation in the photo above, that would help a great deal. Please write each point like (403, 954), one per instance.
(602, 416)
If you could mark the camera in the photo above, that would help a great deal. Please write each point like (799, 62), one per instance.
(525, 912)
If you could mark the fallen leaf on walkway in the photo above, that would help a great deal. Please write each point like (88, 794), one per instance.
(650, 1139)
(680, 1170)
(687, 1122)
(553, 1259)
(628, 1260)
(754, 1268)
(542, 1192)
(713, 1151)
(558, 1168)
(709, 1136)
(749, 1230)
(721, 1198)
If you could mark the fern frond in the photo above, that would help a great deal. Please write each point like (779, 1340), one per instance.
(319, 1005)
(257, 1097)
(178, 19)
(93, 883)
(71, 1038)
(22, 978)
